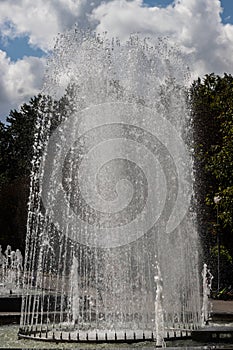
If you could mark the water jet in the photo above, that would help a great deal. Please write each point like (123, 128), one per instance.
(112, 246)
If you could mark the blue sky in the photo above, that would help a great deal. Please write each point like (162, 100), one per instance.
(227, 5)
(19, 47)
(28, 30)
(227, 15)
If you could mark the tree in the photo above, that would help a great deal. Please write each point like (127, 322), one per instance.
(36, 119)
(16, 151)
(212, 105)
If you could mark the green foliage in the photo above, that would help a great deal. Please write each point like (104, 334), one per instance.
(226, 265)
(212, 105)
(16, 151)
(16, 146)
(17, 138)
(224, 253)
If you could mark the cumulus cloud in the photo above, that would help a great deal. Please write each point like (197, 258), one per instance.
(42, 20)
(37, 19)
(195, 25)
(19, 81)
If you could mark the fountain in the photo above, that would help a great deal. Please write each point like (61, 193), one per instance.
(11, 269)
(207, 287)
(112, 249)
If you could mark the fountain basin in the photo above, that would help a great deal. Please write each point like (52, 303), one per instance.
(11, 303)
(9, 339)
(104, 336)
(214, 334)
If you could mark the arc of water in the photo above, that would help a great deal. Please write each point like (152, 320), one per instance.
(159, 312)
(207, 278)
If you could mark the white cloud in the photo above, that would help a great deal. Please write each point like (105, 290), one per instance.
(195, 25)
(42, 20)
(19, 82)
(37, 19)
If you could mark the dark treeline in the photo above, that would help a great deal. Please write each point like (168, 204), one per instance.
(212, 112)
(16, 152)
(16, 140)
(212, 108)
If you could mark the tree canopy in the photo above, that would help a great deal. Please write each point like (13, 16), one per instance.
(212, 106)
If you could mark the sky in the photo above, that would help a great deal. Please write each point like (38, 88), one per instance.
(28, 30)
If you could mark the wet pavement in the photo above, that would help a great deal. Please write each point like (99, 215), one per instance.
(222, 310)
(222, 306)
